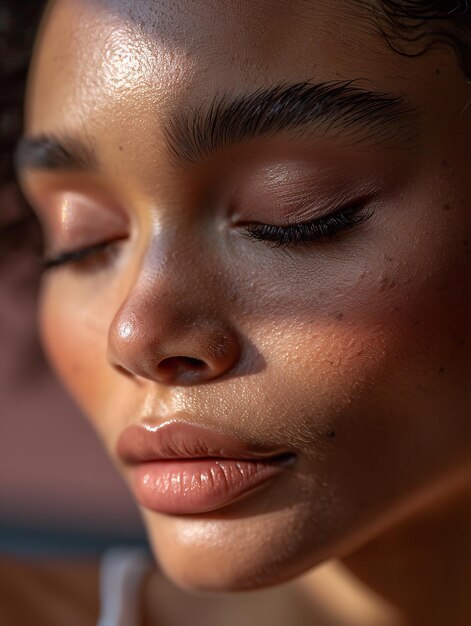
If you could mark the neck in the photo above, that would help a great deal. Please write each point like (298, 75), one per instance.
(414, 574)
(422, 567)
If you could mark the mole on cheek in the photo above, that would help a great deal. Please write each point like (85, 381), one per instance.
(387, 283)
(447, 207)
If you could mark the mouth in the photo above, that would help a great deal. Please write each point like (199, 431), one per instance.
(183, 469)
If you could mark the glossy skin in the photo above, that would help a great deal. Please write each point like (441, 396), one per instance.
(351, 353)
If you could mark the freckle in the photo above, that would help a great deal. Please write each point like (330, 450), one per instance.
(416, 322)
(397, 308)
(447, 207)
(120, 148)
(445, 163)
(441, 369)
(465, 243)
(360, 352)
(331, 434)
(387, 283)
(339, 316)
(437, 71)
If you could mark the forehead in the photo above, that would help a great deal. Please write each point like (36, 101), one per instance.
(117, 53)
(249, 29)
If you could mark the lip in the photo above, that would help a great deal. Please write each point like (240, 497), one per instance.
(181, 468)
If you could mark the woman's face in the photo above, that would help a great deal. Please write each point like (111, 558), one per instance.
(190, 125)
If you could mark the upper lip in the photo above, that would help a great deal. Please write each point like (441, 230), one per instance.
(176, 439)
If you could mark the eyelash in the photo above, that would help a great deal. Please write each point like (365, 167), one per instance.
(92, 257)
(323, 228)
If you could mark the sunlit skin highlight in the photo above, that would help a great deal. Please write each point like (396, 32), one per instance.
(353, 352)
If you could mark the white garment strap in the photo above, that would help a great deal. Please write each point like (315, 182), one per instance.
(121, 573)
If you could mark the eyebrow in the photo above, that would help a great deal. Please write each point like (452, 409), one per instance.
(357, 114)
(51, 153)
(339, 107)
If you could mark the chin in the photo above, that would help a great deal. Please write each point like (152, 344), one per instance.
(247, 572)
(232, 555)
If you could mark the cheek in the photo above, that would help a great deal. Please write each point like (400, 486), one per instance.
(75, 340)
(377, 356)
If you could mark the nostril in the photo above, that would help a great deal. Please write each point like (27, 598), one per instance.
(172, 352)
(182, 364)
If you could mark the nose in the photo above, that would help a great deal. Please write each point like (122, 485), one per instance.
(166, 344)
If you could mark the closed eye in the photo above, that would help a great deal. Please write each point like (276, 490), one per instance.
(323, 228)
(90, 257)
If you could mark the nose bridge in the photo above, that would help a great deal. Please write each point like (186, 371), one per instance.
(180, 277)
(172, 326)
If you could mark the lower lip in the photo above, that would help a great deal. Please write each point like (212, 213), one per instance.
(192, 486)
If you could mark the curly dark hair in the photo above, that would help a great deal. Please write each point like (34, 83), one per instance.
(18, 23)
(410, 27)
